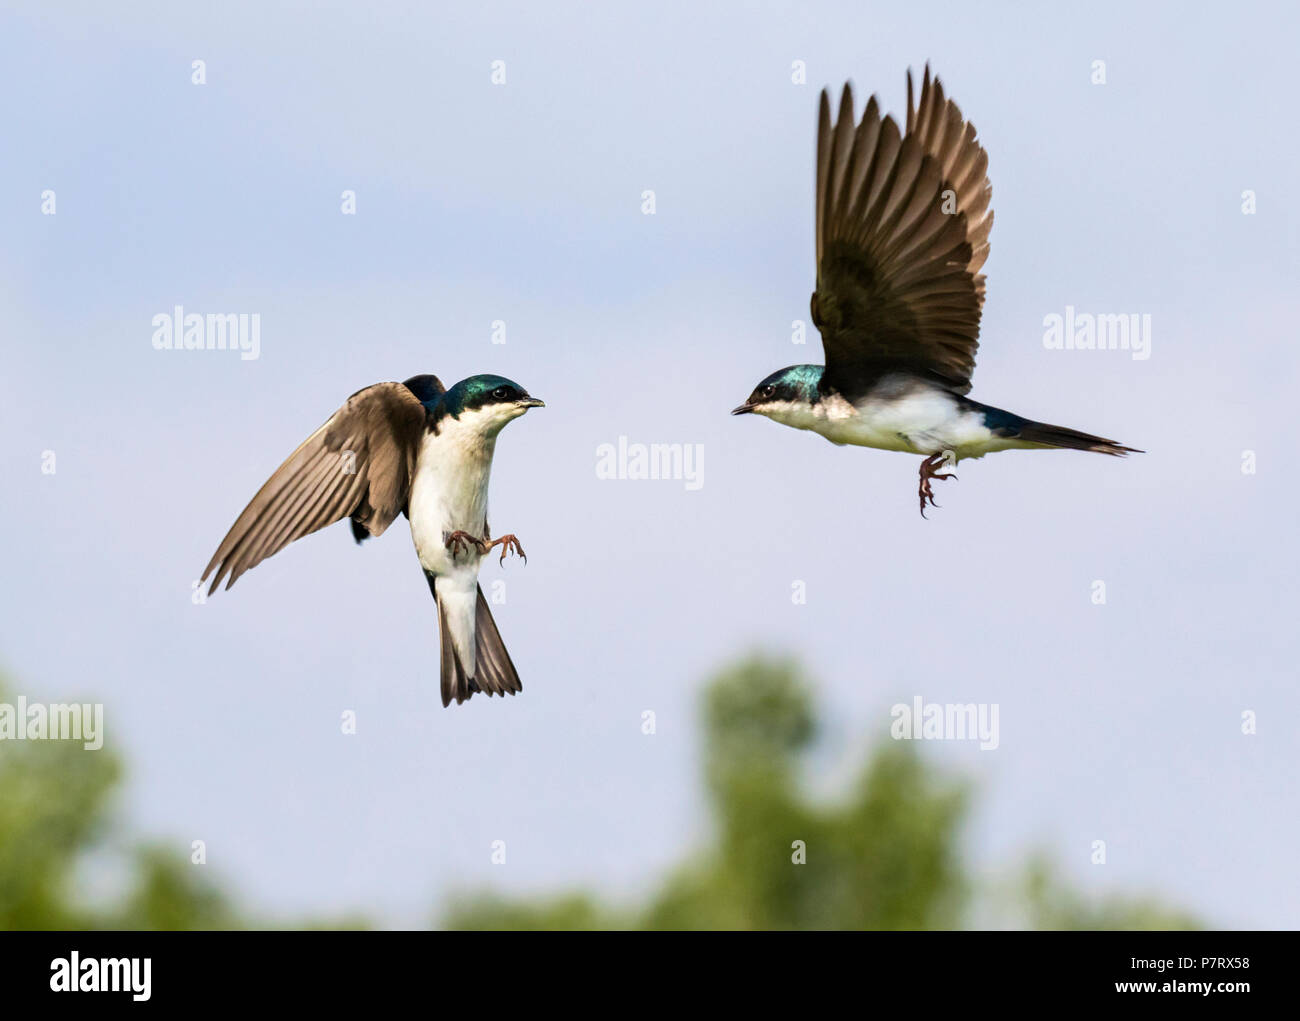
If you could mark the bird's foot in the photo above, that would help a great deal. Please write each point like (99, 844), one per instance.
(930, 470)
(459, 541)
(508, 543)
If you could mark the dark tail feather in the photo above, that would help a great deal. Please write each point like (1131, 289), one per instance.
(496, 672)
(1072, 439)
(455, 682)
(495, 675)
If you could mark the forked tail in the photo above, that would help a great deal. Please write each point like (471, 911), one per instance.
(493, 671)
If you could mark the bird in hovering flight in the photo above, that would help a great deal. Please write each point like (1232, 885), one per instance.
(412, 448)
(903, 224)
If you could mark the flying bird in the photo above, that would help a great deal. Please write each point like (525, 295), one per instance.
(903, 223)
(412, 448)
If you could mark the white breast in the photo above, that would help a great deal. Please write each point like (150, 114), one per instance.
(450, 493)
(888, 424)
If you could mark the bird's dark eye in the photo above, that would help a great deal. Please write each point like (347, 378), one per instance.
(768, 390)
(501, 393)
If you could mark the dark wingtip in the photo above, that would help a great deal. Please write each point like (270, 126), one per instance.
(846, 101)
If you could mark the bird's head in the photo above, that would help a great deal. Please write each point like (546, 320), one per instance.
(487, 403)
(788, 391)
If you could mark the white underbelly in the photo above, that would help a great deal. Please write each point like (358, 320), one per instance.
(448, 494)
(922, 421)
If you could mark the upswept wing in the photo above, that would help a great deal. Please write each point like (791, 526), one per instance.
(903, 222)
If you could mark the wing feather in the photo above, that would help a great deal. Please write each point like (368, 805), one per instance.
(903, 221)
(359, 464)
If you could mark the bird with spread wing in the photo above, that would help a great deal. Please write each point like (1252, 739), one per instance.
(410, 448)
(903, 223)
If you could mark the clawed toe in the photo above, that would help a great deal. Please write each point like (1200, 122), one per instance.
(927, 494)
(508, 544)
(928, 473)
(459, 542)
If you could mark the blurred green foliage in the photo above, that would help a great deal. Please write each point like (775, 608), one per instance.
(55, 812)
(56, 816)
(1049, 903)
(886, 855)
(54, 799)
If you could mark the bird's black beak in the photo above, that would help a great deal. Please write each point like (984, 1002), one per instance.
(744, 409)
(531, 402)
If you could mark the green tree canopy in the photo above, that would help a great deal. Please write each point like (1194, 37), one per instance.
(886, 855)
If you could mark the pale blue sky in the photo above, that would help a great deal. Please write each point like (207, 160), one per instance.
(522, 203)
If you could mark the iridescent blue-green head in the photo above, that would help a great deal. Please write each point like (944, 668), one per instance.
(787, 390)
(486, 403)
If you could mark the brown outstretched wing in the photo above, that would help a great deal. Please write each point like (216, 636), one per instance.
(903, 223)
(359, 464)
